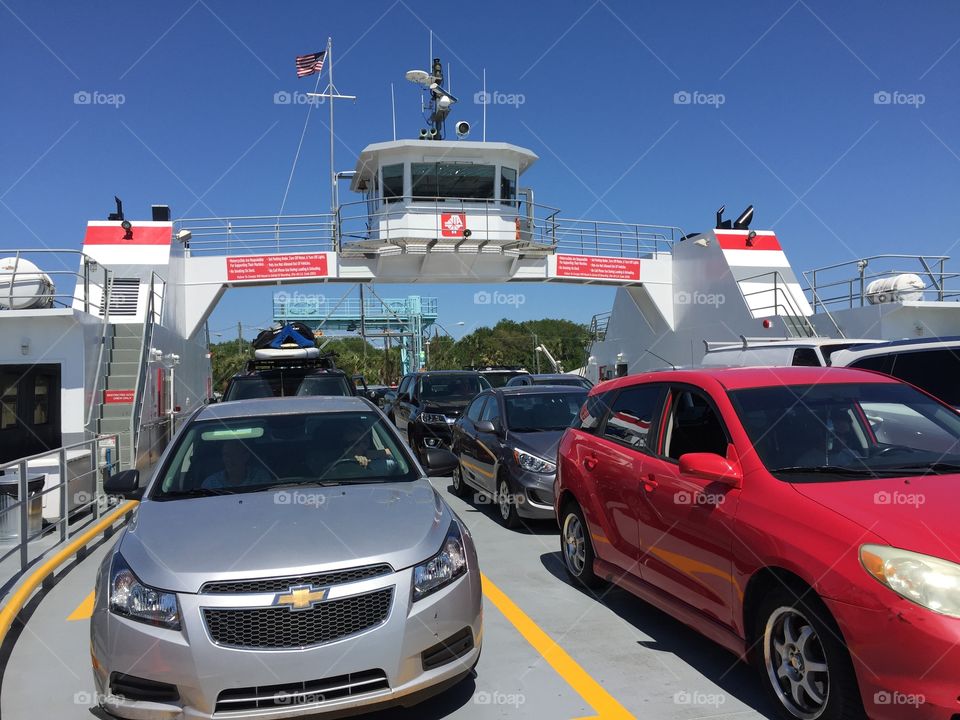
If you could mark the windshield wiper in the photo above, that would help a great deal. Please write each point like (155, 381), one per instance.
(826, 470)
(934, 467)
(197, 492)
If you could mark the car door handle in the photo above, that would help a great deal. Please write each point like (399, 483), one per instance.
(590, 462)
(651, 483)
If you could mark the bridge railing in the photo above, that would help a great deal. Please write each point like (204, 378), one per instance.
(844, 285)
(253, 234)
(512, 224)
(25, 534)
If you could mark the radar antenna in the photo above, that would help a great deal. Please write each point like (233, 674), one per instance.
(440, 100)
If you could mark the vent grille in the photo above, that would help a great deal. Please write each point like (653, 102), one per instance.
(124, 293)
(301, 694)
(325, 579)
(278, 628)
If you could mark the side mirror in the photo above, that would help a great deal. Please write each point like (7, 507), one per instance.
(125, 484)
(710, 467)
(485, 426)
(440, 461)
(211, 400)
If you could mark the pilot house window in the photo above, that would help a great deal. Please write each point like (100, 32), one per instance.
(393, 182)
(453, 180)
(508, 185)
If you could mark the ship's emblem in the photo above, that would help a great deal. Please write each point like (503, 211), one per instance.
(453, 224)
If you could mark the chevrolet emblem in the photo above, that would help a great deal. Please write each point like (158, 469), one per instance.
(301, 597)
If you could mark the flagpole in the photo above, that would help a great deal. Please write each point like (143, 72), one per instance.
(333, 169)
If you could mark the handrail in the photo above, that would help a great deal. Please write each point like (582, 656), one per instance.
(510, 224)
(100, 375)
(851, 289)
(789, 303)
(64, 299)
(18, 600)
(139, 387)
(21, 505)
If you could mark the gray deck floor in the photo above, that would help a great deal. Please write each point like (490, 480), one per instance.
(643, 662)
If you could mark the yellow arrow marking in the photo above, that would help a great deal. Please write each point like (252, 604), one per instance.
(565, 666)
(84, 610)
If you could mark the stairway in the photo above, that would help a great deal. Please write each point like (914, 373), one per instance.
(116, 403)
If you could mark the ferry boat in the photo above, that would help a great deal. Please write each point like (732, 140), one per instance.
(119, 345)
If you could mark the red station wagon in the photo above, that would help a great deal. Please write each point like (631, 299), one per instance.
(803, 518)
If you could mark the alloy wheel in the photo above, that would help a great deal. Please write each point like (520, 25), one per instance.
(574, 552)
(796, 663)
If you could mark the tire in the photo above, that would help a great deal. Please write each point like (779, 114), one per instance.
(506, 506)
(802, 661)
(416, 451)
(577, 548)
(456, 481)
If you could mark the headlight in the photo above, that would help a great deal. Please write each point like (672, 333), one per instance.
(131, 598)
(443, 568)
(923, 579)
(533, 463)
(434, 418)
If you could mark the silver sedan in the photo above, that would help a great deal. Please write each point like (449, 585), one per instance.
(288, 557)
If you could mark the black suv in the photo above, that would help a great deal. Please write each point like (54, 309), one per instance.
(428, 403)
(270, 379)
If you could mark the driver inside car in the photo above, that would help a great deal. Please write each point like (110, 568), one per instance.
(239, 468)
(361, 446)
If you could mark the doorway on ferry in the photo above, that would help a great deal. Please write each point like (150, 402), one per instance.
(29, 410)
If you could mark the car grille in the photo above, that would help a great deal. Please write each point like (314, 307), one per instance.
(325, 579)
(301, 694)
(275, 628)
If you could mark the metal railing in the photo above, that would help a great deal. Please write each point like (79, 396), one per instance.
(19, 513)
(598, 326)
(256, 234)
(513, 224)
(89, 271)
(151, 317)
(844, 285)
(154, 437)
(783, 303)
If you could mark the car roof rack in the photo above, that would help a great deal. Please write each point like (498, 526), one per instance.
(324, 362)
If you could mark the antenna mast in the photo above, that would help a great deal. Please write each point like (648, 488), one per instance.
(331, 94)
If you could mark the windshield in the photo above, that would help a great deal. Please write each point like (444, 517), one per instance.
(285, 383)
(451, 387)
(543, 411)
(839, 431)
(252, 454)
(499, 378)
(324, 385)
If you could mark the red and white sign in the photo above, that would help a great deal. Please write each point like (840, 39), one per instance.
(593, 266)
(268, 267)
(111, 397)
(452, 224)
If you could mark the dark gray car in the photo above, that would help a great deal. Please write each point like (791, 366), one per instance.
(506, 442)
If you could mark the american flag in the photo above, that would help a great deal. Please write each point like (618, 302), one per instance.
(310, 64)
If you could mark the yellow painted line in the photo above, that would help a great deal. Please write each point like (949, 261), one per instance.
(565, 666)
(22, 594)
(84, 610)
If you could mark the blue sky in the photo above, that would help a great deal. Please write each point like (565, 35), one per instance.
(799, 132)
